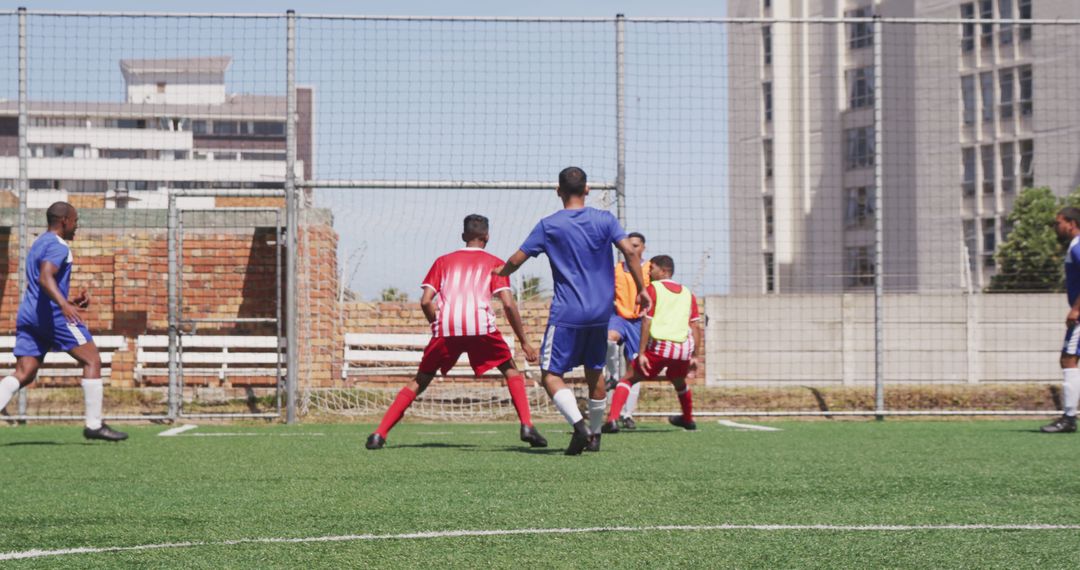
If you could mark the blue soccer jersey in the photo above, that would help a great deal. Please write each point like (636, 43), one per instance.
(578, 245)
(37, 308)
(1072, 270)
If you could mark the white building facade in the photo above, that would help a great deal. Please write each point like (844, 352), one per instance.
(971, 114)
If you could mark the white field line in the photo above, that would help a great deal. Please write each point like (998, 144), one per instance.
(179, 431)
(173, 432)
(36, 553)
(452, 433)
(752, 427)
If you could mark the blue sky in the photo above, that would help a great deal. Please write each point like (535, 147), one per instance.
(412, 100)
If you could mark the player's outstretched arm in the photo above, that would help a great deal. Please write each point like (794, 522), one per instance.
(427, 304)
(47, 280)
(512, 315)
(507, 269)
(633, 263)
(695, 356)
(646, 323)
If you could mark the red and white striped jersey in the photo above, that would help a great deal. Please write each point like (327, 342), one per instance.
(464, 287)
(665, 348)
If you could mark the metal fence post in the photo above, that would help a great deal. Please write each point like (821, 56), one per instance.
(292, 204)
(174, 317)
(879, 255)
(24, 174)
(620, 118)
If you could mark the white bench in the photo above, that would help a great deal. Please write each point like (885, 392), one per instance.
(210, 355)
(374, 354)
(61, 363)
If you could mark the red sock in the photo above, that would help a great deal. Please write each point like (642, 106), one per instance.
(618, 400)
(401, 403)
(686, 401)
(516, 384)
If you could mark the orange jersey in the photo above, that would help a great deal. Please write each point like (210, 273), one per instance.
(626, 292)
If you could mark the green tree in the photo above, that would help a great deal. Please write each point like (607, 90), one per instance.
(530, 288)
(393, 294)
(1030, 258)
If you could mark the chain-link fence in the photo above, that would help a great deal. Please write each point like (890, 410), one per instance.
(861, 204)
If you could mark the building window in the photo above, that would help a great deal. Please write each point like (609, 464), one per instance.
(986, 12)
(1027, 89)
(969, 171)
(1024, 6)
(770, 274)
(860, 34)
(766, 89)
(766, 42)
(967, 87)
(858, 206)
(986, 83)
(199, 127)
(989, 242)
(1027, 164)
(988, 178)
(1005, 88)
(859, 147)
(767, 152)
(1008, 167)
(269, 129)
(1005, 32)
(226, 128)
(859, 262)
(767, 210)
(970, 242)
(768, 4)
(967, 29)
(860, 87)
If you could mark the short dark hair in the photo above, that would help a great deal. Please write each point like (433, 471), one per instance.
(572, 181)
(638, 235)
(664, 262)
(1071, 214)
(475, 226)
(57, 212)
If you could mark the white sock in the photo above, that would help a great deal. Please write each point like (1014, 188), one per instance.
(631, 401)
(1071, 390)
(8, 386)
(611, 364)
(596, 414)
(566, 403)
(93, 394)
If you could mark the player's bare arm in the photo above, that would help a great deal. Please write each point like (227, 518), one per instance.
(697, 346)
(646, 323)
(82, 301)
(47, 280)
(507, 269)
(427, 304)
(514, 317)
(633, 263)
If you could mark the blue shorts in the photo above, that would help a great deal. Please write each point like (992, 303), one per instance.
(564, 349)
(630, 331)
(1072, 341)
(36, 340)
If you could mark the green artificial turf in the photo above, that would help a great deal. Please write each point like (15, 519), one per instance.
(285, 482)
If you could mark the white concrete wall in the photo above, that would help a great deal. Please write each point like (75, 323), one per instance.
(155, 170)
(829, 339)
(147, 139)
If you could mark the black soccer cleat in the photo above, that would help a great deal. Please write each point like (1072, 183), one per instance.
(609, 427)
(680, 422)
(375, 441)
(104, 433)
(1064, 424)
(611, 383)
(531, 436)
(594, 443)
(628, 423)
(579, 440)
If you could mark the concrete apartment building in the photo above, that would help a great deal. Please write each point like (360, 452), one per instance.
(971, 114)
(178, 128)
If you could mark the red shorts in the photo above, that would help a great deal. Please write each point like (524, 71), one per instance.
(485, 352)
(657, 363)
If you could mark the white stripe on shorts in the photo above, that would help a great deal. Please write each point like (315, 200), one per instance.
(1073, 343)
(545, 348)
(75, 332)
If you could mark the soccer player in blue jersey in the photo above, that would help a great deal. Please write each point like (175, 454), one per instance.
(577, 241)
(1067, 226)
(49, 322)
